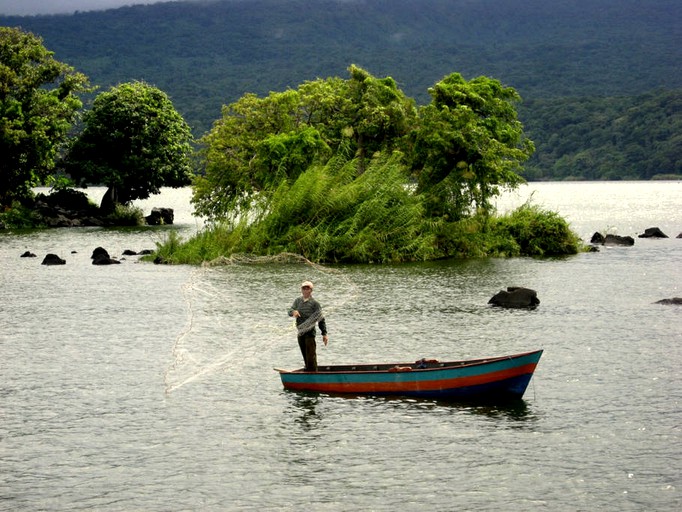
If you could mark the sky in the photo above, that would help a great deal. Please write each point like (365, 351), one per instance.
(29, 7)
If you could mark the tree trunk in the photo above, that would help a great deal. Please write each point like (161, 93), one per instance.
(109, 201)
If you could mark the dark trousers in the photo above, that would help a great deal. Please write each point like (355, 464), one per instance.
(309, 351)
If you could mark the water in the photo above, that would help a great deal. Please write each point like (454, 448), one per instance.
(145, 387)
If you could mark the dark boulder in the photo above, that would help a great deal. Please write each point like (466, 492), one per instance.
(653, 233)
(66, 208)
(28, 254)
(619, 240)
(160, 216)
(146, 251)
(129, 252)
(515, 297)
(675, 300)
(104, 259)
(109, 201)
(53, 259)
(58, 220)
(99, 251)
(597, 238)
(600, 239)
(679, 236)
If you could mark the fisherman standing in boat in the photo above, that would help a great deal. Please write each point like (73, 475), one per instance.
(308, 312)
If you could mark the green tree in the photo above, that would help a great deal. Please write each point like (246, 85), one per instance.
(377, 115)
(134, 142)
(38, 104)
(259, 142)
(238, 159)
(468, 146)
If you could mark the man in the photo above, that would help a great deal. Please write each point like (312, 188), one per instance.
(307, 312)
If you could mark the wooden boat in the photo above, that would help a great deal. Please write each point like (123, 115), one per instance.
(493, 379)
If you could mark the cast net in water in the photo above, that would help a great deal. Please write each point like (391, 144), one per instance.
(204, 346)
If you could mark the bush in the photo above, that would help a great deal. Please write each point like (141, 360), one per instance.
(125, 216)
(20, 217)
(69, 199)
(537, 232)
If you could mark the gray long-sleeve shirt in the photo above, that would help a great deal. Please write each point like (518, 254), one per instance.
(311, 313)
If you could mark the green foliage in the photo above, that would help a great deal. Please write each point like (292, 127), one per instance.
(261, 141)
(282, 193)
(125, 215)
(238, 158)
(606, 138)
(602, 51)
(535, 232)
(38, 104)
(327, 214)
(465, 147)
(348, 223)
(134, 141)
(469, 145)
(205, 54)
(18, 216)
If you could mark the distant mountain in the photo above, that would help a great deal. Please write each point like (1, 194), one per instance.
(206, 54)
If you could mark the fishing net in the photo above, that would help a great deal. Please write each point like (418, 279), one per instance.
(200, 348)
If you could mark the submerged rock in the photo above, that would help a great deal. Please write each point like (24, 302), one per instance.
(515, 297)
(597, 238)
(675, 300)
(160, 216)
(600, 239)
(653, 233)
(104, 259)
(53, 259)
(619, 240)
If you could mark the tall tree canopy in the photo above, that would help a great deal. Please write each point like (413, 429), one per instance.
(134, 142)
(350, 171)
(260, 141)
(462, 148)
(469, 144)
(38, 104)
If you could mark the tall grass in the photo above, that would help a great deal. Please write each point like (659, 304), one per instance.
(329, 214)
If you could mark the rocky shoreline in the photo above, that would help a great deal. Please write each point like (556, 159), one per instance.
(68, 208)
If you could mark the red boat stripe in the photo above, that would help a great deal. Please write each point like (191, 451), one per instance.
(394, 387)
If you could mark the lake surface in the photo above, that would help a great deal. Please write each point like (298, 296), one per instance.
(151, 387)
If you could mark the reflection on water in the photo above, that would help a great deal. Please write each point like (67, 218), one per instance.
(305, 406)
(517, 411)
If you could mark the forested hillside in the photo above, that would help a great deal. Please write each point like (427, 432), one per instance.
(637, 137)
(608, 53)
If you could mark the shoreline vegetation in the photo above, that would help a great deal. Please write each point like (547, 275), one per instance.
(336, 170)
(352, 171)
(527, 231)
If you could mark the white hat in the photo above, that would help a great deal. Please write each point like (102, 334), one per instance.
(307, 283)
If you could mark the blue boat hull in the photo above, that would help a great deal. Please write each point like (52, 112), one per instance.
(490, 379)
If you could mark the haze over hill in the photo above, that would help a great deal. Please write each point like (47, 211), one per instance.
(34, 7)
(207, 54)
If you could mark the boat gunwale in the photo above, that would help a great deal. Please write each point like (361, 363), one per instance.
(383, 368)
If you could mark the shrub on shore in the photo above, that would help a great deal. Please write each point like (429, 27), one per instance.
(526, 231)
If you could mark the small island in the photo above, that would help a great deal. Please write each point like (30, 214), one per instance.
(337, 170)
